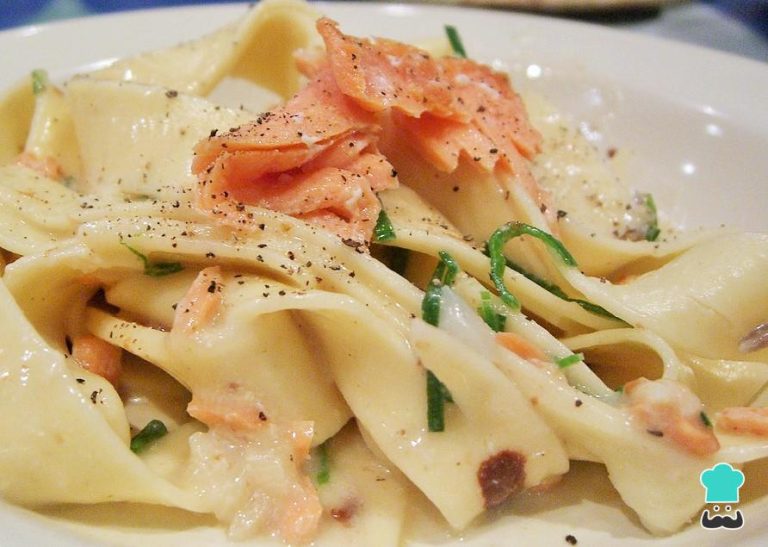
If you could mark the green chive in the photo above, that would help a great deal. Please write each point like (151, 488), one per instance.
(705, 419)
(451, 268)
(653, 231)
(153, 431)
(398, 259)
(565, 362)
(444, 275)
(430, 305)
(560, 293)
(437, 394)
(154, 269)
(435, 403)
(323, 474)
(39, 81)
(456, 45)
(384, 231)
(495, 248)
(491, 317)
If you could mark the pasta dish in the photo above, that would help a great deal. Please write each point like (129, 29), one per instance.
(304, 281)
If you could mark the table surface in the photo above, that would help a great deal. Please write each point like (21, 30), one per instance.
(735, 26)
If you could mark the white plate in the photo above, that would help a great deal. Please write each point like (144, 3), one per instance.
(694, 119)
(573, 5)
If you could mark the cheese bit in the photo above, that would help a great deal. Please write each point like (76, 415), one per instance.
(153, 431)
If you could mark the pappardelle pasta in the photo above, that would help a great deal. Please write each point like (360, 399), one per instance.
(376, 281)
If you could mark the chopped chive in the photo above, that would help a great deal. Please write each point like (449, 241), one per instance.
(444, 275)
(705, 419)
(492, 318)
(435, 403)
(323, 474)
(495, 248)
(565, 362)
(384, 231)
(653, 231)
(398, 259)
(437, 394)
(159, 269)
(39, 81)
(153, 431)
(514, 229)
(451, 268)
(68, 181)
(619, 389)
(456, 44)
(560, 293)
(154, 269)
(430, 305)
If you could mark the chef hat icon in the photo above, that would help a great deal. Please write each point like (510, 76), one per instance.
(722, 483)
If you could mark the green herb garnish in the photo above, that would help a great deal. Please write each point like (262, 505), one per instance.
(153, 431)
(154, 269)
(398, 260)
(436, 399)
(444, 275)
(437, 394)
(39, 81)
(560, 293)
(495, 248)
(653, 231)
(384, 231)
(456, 44)
(323, 474)
(705, 419)
(565, 362)
(492, 318)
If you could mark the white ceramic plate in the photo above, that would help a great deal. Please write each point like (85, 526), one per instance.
(572, 5)
(696, 124)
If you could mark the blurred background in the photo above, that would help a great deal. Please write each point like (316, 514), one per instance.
(735, 26)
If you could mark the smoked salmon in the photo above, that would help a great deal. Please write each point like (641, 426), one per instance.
(665, 408)
(448, 109)
(202, 302)
(744, 421)
(315, 158)
(99, 357)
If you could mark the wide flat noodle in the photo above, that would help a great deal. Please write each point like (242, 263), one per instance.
(421, 228)
(135, 139)
(393, 412)
(718, 285)
(35, 211)
(58, 446)
(258, 48)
